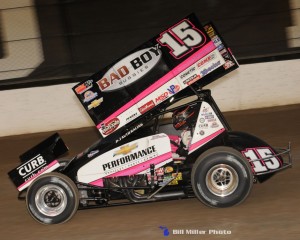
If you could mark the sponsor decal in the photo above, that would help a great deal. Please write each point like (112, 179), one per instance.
(192, 79)
(129, 132)
(226, 55)
(206, 116)
(174, 89)
(214, 125)
(110, 126)
(212, 120)
(95, 103)
(224, 52)
(169, 169)
(187, 73)
(209, 69)
(146, 107)
(159, 172)
(129, 158)
(206, 113)
(178, 177)
(83, 87)
(89, 96)
(204, 125)
(220, 47)
(189, 76)
(158, 176)
(136, 161)
(210, 31)
(40, 171)
(28, 169)
(158, 136)
(210, 116)
(228, 64)
(131, 117)
(205, 110)
(92, 153)
(24, 174)
(125, 149)
(162, 97)
(206, 60)
(216, 40)
(130, 69)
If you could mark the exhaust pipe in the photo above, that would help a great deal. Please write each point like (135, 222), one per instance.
(178, 194)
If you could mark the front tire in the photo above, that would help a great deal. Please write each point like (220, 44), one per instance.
(221, 177)
(52, 198)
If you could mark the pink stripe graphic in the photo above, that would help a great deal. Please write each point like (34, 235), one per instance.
(166, 78)
(40, 173)
(198, 144)
(98, 182)
(135, 169)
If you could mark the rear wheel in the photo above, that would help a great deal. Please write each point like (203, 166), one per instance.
(221, 177)
(52, 198)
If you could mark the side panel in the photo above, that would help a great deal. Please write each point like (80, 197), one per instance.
(259, 153)
(208, 126)
(259, 161)
(28, 178)
(131, 158)
(37, 161)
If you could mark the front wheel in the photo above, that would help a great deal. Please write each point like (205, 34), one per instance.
(52, 198)
(221, 177)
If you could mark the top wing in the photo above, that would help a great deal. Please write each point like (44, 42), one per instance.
(184, 54)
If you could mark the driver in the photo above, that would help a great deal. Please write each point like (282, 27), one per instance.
(184, 120)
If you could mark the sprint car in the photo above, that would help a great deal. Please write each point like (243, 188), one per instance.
(162, 135)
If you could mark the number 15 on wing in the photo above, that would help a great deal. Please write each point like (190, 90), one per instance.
(262, 159)
(182, 38)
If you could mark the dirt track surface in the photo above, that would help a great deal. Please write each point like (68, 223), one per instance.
(272, 211)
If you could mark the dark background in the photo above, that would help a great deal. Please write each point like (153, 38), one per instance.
(80, 37)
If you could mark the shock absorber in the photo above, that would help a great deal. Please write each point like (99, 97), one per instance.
(152, 175)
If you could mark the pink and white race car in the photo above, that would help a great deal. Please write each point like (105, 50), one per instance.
(162, 136)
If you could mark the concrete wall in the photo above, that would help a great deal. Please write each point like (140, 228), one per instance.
(56, 107)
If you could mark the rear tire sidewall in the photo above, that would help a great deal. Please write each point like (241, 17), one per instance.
(214, 157)
(63, 183)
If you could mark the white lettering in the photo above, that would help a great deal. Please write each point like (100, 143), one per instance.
(31, 166)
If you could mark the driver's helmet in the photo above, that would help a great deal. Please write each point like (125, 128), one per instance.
(183, 118)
